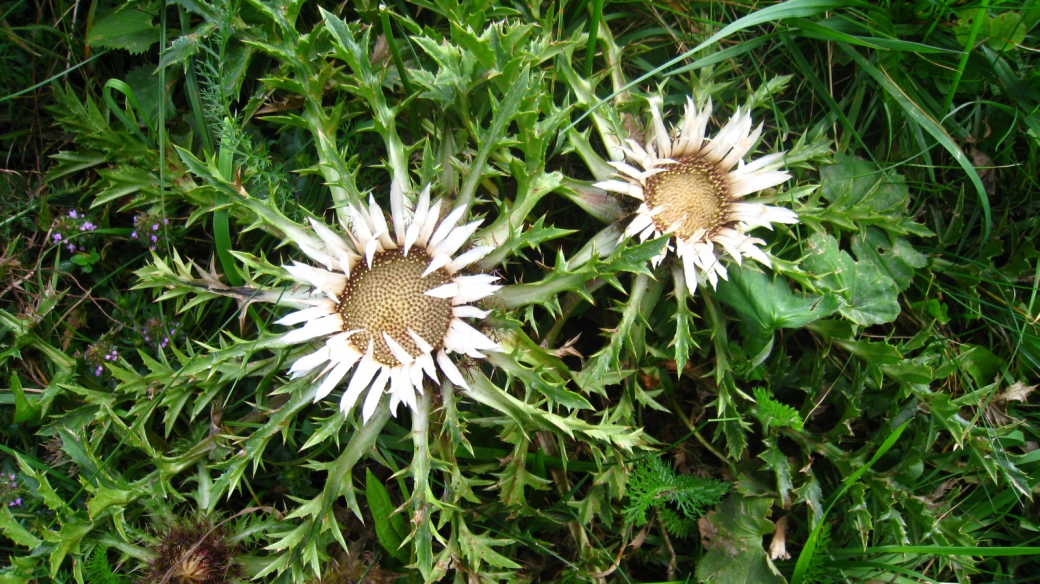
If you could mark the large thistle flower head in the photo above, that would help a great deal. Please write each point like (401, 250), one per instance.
(390, 305)
(691, 187)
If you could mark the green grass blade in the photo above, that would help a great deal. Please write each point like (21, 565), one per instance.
(930, 125)
(941, 550)
(221, 224)
(976, 25)
(810, 545)
(789, 9)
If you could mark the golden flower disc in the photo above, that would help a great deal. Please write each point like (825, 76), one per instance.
(693, 197)
(390, 297)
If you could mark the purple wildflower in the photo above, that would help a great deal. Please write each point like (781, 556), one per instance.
(57, 237)
(73, 214)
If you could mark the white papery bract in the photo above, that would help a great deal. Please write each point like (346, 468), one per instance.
(691, 187)
(390, 306)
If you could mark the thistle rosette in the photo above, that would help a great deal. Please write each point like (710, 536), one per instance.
(691, 188)
(390, 305)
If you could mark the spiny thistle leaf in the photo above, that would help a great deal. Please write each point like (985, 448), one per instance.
(774, 413)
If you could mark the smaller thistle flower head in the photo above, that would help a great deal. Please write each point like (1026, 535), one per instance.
(691, 188)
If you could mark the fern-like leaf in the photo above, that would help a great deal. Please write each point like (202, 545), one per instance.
(653, 483)
(97, 570)
(815, 573)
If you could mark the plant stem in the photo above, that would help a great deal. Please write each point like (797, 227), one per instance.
(421, 475)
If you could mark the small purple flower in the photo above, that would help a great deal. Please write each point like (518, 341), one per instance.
(155, 239)
(133, 234)
(15, 503)
(155, 227)
(57, 237)
(87, 226)
(71, 247)
(98, 371)
(165, 221)
(73, 214)
(152, 247)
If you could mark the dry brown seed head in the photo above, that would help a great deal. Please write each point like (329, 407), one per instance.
(191, 569)
(390, 297)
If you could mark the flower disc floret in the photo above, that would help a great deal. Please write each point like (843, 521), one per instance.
(390, 297)
(691, 196)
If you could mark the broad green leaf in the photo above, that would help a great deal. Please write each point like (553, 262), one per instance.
(127, 28)
(852, 183)
(870, 296)
(391, 528)
(1001, 31)
(812, 495)
(981, 363)
(767, 304)
(894, 255)
(732, 536)
(146, 86)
